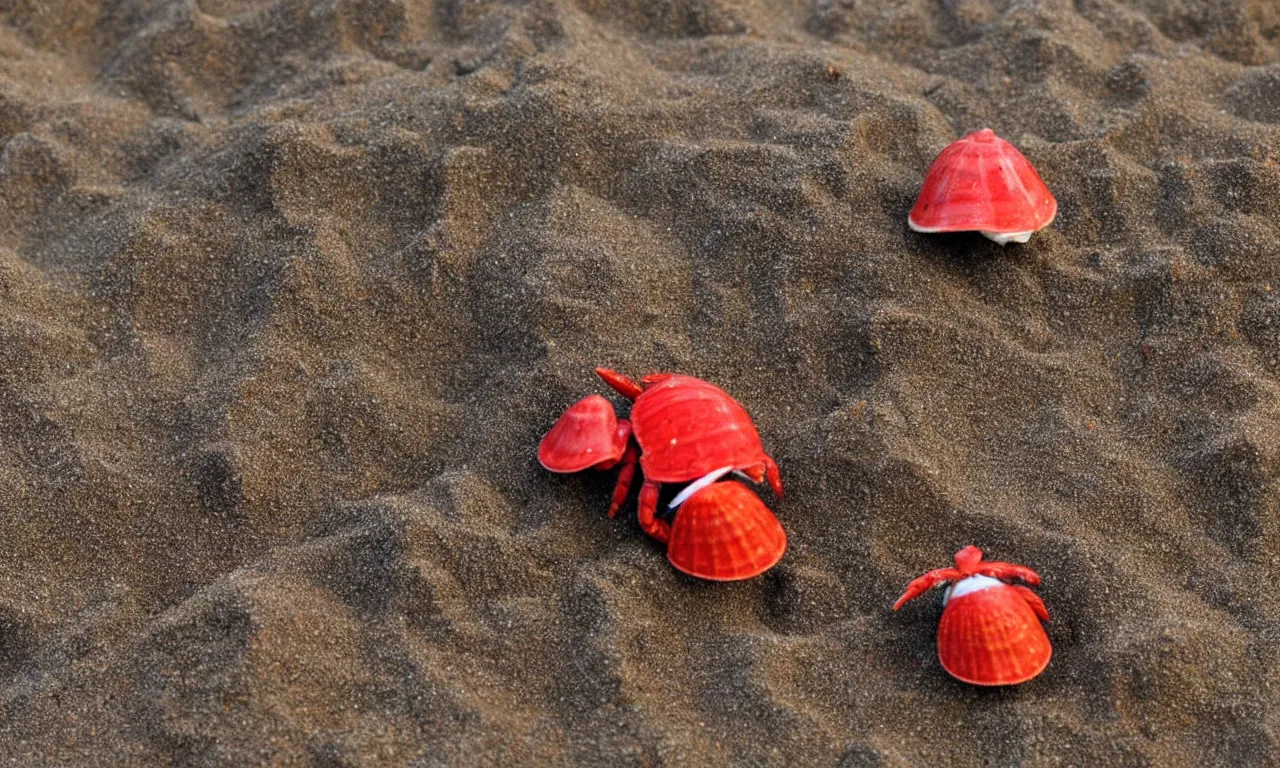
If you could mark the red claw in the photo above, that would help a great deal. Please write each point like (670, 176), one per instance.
(925, 583)
(588, 434)
(774, 475)
(1009, 572)
(621, 384)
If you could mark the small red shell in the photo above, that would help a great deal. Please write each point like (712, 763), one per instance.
(983, 183)
(992, 636)
(585, 435)
(725, 533)
(687, 427)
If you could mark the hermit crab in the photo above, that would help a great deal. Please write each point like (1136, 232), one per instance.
(687, 431)
(990, 631)
(982, 182)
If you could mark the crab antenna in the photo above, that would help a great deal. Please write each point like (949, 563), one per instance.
(624, 386)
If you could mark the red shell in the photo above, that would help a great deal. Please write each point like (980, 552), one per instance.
(992, 637)
(687, 427)
(725, 533)
(585, 435)
(982, 182)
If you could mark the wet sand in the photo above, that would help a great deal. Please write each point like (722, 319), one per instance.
(290, 290)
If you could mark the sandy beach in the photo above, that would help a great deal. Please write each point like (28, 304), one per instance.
(291, 289)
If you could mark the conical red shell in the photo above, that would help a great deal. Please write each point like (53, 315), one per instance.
(584, 436)
(982, 182)
(992, 637)
(725, 533)
(687, 427)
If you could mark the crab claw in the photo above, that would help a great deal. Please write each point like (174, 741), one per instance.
(925, 583)
(1008, 572)
(588, 434)
(969, 562)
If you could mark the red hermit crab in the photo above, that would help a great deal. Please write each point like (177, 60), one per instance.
(990, 631)
(687, 430)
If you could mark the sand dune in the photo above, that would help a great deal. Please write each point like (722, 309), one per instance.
(289, 291)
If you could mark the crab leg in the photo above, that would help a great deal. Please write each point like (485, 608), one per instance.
(623, 486)
(774, 475)
(1033, 600)
(658, 529)
(757, 473)
(1008, 571)
(926, 583)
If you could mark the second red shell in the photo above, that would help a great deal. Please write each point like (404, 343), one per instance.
(990, 634)
(725, 533)
(585, 435)
(983, 183)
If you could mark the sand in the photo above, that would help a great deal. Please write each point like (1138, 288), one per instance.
(289, 291)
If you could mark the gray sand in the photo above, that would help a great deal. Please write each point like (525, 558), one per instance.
(290, 290)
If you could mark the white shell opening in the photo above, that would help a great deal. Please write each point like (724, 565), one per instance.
(917, 228)
(971, 584)
(698, 485)
(1007, 237)
(1003, 238)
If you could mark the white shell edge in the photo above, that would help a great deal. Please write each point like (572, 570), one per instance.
(970, 584)
(1006, 237)
(698, 485)
(1003, 238)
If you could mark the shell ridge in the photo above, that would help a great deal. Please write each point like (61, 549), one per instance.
(742, 524)
(992, 637)
(725, 534)
(1012, 171)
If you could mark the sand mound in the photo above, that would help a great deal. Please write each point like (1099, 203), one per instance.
(290, 289)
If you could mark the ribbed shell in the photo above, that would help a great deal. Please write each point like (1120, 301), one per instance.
(982, 183)
(687, 427)
(584, 436)
(992, 637)
(725, 533)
